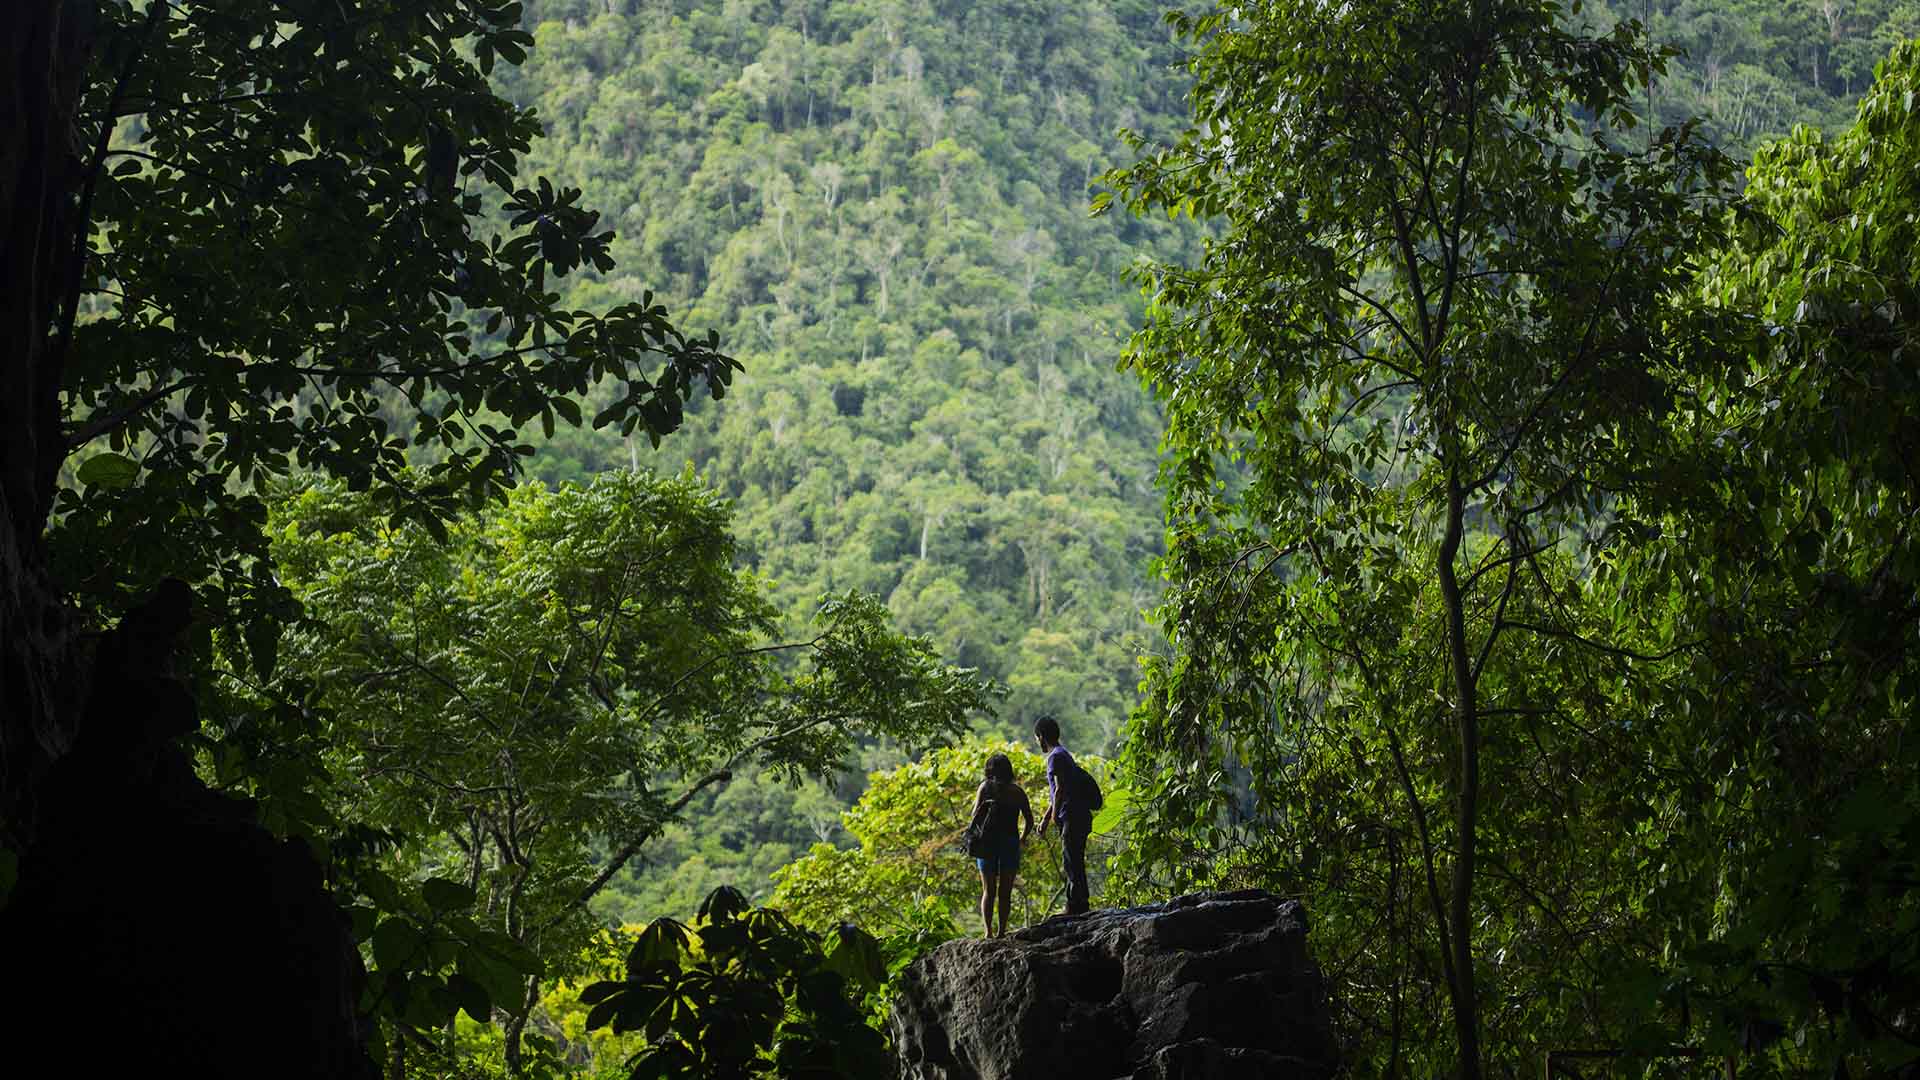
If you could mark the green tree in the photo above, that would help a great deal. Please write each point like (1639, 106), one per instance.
(1782, 815)
(229, 229)
(571, 669)
(734, 834)
(1427, 337)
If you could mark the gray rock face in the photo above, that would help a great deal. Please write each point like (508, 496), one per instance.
(214, 947)
(1211, 985)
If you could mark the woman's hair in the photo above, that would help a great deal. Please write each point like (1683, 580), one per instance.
(1000, 769)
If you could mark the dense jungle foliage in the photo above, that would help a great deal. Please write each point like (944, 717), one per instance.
(1417, 482)
(1557, 635)
(911, 183)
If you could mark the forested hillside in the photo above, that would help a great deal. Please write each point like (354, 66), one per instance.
(882, 207)
(1752, 69)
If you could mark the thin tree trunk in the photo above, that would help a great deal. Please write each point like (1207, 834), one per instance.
(1399, 978)
(517, 1026)
(1466, 1009)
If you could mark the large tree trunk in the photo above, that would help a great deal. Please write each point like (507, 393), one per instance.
(136, 884)
(46, 46)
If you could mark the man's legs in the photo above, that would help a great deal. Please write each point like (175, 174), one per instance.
(1073, 847)
(1006, 899)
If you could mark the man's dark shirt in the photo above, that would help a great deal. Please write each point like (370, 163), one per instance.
(1059, 793)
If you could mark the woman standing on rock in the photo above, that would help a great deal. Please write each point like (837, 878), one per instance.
(999, 800)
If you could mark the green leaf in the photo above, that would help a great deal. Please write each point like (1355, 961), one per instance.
(510, 952)
(427, 1004)
(109, 471)
(382, 889)
(471, 995)
(398, 944)
(444, 895)
(263, 644)
(724, 904)
(856, 957)
(363, 919)
(658, 947)
(500, 980)
(669, 1060)
(595, 993)
(603, 1013)
(1112, 811)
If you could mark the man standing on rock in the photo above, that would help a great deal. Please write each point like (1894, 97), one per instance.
(1066, 805)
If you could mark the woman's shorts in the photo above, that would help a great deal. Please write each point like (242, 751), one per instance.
(1004, 858)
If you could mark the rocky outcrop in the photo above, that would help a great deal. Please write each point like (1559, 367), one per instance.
(1211, 985)
(156, 928)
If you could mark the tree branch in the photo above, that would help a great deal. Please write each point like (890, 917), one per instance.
(628, 851)
(1516, 556)
(70, 304)
(667, 694)
(1499, 614)
(100, 425)
(1601, 646)
(718, 776)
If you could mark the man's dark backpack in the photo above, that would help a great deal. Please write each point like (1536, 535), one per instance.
(1086, 790)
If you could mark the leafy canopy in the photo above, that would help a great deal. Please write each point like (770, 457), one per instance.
(284, 220)
(1411, 370)
(511, 715)
(882, 206)
(1786, 814)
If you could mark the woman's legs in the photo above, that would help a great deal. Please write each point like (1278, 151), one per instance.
(987, 881)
